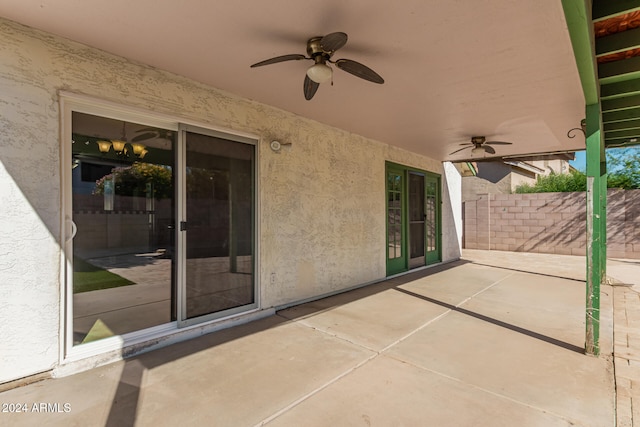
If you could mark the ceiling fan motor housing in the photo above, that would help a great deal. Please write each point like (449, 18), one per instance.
(315, 50)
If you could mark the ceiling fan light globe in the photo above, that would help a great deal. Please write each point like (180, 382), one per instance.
(320, 73)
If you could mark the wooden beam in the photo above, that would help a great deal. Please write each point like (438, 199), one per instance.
(619, 71)
(603, 9)
(621, 116)
(624, 103)
(618, 42)
(622, 134)
(625, 144)
(617, 90)
(629, 124)
(578, 15)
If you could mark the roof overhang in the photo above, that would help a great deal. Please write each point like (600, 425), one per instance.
(499, 68)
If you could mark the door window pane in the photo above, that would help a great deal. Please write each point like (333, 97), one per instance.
(123, 208)
(394, 215)
(431, 215)
(416, 220)
(219, 214)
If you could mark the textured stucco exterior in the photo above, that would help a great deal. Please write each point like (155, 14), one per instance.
(321, 200)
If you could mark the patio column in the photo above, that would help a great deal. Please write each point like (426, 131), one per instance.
(596, 225)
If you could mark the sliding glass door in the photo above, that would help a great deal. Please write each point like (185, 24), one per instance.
(162, 222)
(123, 209)
(218, 225)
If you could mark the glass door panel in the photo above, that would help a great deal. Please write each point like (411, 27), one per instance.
(123, 209)
(396, 254)
(432, 220)
(416, 220)
(219, 225)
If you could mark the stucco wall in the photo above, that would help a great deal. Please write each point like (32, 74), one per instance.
(321, 202)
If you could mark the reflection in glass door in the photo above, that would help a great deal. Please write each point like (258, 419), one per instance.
(133, 265)
(218, 226)
(122, 205)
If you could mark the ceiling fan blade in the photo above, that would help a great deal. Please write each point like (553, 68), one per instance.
(488, 149)
(310, 88)
(144, 136)
(498, 143)
(359, 70)
(334, 41)
(292, 57)
(457, 151)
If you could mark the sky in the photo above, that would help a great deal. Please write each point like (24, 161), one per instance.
(580, 161)
(581, 158)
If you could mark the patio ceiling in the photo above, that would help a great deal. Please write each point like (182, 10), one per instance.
(616, 29)
(502, 69)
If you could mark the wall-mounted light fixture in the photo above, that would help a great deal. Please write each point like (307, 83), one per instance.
(276, 146)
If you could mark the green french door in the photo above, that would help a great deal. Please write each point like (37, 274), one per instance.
(413, 218)
(396, 227)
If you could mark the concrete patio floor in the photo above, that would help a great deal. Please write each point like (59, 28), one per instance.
(495, 339)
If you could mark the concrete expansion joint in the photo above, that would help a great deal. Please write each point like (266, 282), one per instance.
(384, 351)
(316, 390)
(485, 390)
(331, 334)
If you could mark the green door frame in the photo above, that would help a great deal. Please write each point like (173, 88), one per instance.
(397, 217)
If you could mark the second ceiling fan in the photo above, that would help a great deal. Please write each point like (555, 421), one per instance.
(479, 145)
(320, 50)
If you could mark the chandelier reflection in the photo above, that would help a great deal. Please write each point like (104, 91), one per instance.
(121, 146)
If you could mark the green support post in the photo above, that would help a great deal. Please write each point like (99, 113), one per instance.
(596, 225)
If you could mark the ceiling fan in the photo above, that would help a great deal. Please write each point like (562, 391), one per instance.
(320, 50)
(479, 145)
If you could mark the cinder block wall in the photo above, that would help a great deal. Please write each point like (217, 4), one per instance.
(550, 223)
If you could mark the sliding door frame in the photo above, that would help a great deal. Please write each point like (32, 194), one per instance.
(70, 102)
(181, 239)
